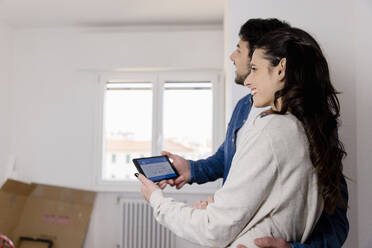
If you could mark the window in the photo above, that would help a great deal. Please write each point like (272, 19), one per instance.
(127, 126)
(143, 114)
(187, 116)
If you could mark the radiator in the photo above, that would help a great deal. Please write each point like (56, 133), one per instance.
(140, 229)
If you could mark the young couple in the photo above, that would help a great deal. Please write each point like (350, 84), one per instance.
(281, 161)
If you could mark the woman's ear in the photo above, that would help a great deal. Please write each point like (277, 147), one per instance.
(281, 69)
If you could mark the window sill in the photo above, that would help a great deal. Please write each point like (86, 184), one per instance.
(134, 186)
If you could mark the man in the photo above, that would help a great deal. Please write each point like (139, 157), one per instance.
(331, 230)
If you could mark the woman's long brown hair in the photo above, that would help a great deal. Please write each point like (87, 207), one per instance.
(309, 95)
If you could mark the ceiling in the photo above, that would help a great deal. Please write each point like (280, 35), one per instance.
(110, 13)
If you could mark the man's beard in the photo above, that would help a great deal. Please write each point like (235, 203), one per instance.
(239, 79)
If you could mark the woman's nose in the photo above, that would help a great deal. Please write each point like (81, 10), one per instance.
(247, 82)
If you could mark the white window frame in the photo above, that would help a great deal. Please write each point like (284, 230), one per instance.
(157, 78)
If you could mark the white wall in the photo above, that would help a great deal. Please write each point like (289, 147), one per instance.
(6, 37)
(53, 97)
(364, 120)
(52, 100)
(333, 24)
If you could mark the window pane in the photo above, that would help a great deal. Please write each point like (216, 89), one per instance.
(127, 128)
(188, 111)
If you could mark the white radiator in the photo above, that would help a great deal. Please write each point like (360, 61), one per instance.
(140, 229)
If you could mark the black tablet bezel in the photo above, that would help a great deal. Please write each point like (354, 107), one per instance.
(138, 166)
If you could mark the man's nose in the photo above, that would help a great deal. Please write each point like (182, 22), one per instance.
(232, 56)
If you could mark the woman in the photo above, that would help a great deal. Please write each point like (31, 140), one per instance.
(288, 162)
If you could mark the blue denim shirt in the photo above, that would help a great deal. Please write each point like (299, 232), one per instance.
(330, 231)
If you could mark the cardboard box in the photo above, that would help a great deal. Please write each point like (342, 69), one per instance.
(37, 214)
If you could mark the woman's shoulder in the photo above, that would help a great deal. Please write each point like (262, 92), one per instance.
(278, 125)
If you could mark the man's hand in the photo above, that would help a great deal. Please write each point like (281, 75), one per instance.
(147, 186)
(269, 242)
(183, 168)
(203, 204)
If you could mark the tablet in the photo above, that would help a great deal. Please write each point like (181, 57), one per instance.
(156, 168)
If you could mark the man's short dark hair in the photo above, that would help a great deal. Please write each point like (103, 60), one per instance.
(254, 29)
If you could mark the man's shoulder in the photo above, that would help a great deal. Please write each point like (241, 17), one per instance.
(241, 111)
(244, 100)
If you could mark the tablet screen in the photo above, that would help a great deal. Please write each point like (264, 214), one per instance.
(156, 168)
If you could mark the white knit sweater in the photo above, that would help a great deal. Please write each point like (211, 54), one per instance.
(271, 190)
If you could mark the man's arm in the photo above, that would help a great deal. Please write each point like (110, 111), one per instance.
(210, 169)
(200, 171)
(331, 230)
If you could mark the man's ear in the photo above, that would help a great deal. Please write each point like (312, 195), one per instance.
(281, 69)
